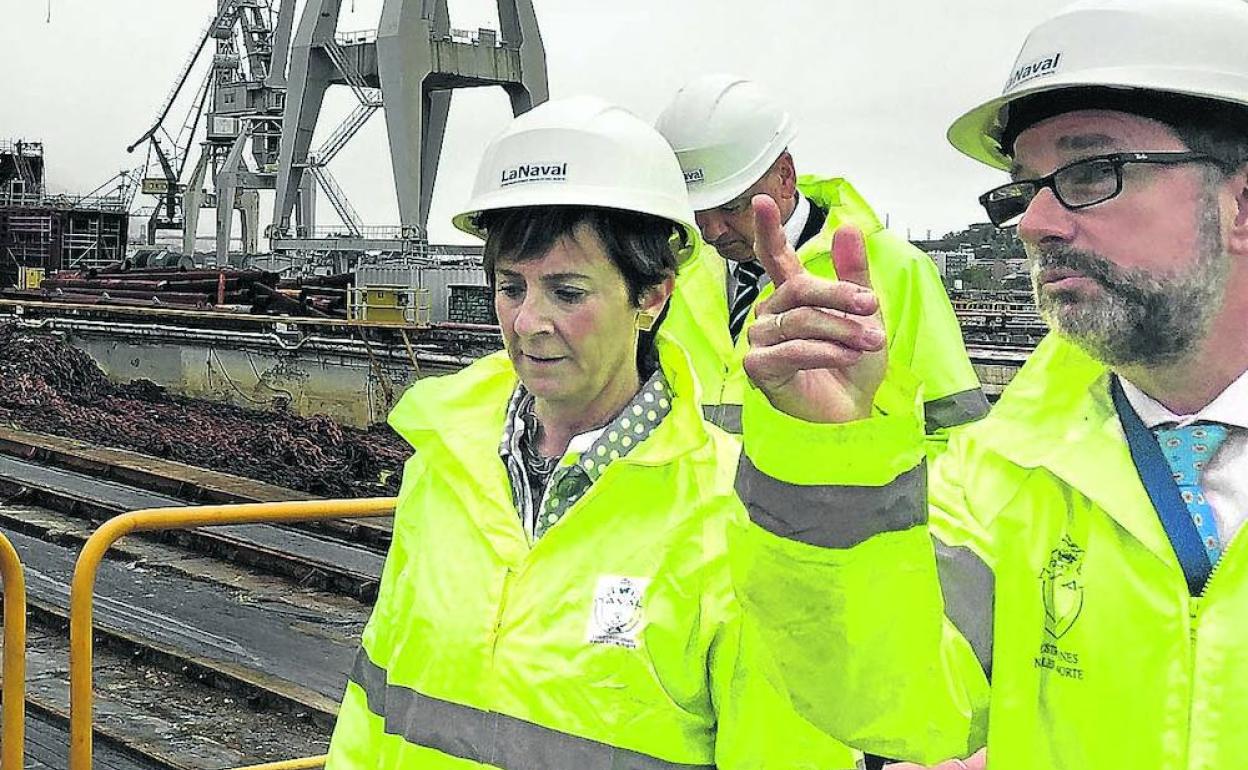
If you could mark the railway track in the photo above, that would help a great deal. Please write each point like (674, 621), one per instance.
(266, 652)
(47, 747)
(340, 556)
(171, 723)
(998, 353)
(185, 482)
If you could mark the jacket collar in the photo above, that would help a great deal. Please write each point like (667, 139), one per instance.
(1057, 415)
(477, 398)
(455, 423)
(842, 204)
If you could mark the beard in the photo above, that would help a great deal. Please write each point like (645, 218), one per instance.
(1140, 318)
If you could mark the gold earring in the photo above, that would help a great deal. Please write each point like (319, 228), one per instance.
(645, 321)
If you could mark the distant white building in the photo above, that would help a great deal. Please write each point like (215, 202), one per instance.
(952, 263)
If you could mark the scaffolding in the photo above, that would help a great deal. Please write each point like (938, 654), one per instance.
(21, 169)
(53, 232)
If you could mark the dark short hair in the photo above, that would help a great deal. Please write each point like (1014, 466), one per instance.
(642, 246)
(1215, 128)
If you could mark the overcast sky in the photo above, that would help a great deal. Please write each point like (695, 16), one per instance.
(873, 85)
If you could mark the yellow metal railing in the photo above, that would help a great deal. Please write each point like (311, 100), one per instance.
(82, 590)
(13, 718)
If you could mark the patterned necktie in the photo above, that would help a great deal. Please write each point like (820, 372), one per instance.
(748, 275)
(1188, 450)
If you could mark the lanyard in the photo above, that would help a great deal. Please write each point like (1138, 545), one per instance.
(1158, 480)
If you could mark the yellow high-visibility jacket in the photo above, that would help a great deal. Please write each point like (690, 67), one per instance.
(614, 641)
(923, 332)
(1049, 574)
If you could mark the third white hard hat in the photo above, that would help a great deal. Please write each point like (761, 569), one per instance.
(1189, 48)
(726, 133)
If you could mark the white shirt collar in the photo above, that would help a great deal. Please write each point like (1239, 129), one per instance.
(1229, 408)
(580, 443)
(797, 222)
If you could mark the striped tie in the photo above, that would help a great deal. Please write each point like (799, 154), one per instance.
(748, 275)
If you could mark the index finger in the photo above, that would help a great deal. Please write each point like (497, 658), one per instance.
(770, 245)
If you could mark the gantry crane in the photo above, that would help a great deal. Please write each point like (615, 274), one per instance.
(408, 66)
(238, 102)
(411, 64)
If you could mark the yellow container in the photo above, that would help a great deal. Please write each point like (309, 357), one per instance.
(381, 305)
(30, 277)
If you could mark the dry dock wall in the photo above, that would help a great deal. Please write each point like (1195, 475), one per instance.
(353, 383)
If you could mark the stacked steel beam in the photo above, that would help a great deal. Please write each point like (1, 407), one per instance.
(185, 289)
(229, 289)
(312, 296)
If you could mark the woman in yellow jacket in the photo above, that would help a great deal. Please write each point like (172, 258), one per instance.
(556, 596)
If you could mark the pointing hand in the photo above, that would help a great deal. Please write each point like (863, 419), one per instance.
(817, 346)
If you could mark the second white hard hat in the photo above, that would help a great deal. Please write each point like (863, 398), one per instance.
(580, 151)
(726, 133)
(1189, 48)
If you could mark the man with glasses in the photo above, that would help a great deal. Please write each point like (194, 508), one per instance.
(1087, 584)
(732, 143)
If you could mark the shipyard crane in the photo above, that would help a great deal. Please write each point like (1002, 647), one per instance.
(118, 189)
(238, 102)
(411, 63)
(247, 97)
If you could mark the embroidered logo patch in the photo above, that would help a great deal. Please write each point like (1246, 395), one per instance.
(1062, 581)
(618, 614)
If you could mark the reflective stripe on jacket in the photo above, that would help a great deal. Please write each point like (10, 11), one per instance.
(1051, 568)
(613, 642)
(923, 332)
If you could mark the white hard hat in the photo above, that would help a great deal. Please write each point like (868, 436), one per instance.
(1188, 48)
(726, 133)
(580, 151)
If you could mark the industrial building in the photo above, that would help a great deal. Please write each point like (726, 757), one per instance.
(42, 233)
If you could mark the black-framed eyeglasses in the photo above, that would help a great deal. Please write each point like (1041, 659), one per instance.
(1076, 185)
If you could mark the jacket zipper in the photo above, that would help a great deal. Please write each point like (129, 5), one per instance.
(1197, 600)
(1212, 573)
(498, 616)
(1195, 604)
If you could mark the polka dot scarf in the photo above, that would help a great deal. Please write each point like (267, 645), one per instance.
(542, 501)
